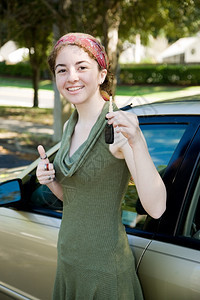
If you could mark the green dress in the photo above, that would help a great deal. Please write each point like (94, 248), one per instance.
(94, 257)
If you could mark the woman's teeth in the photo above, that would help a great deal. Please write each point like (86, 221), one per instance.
(74, 89)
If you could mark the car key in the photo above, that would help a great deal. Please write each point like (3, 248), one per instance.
(109, 130)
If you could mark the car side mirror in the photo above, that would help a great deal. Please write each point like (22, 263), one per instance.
(10, 191)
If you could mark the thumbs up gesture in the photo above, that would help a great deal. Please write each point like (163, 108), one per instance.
(45, 171)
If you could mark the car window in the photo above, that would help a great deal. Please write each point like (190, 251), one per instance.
(192, 223)
(162, 140)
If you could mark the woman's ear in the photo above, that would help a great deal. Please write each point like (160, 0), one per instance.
(103, 74)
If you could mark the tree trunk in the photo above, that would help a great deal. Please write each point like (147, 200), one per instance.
(57, 112)
(35, 66)
(111, 28)
(57, 115)
(36, 80)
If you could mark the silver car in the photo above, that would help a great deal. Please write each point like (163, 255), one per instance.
(167, 250)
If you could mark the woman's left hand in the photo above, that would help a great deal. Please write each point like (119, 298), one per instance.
(126, 123)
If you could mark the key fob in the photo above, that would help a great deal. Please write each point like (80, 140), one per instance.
(109, 134)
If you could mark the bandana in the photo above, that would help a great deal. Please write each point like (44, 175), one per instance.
(87, 42)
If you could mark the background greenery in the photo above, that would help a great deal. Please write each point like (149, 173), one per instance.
(160, 74)
(36, 24)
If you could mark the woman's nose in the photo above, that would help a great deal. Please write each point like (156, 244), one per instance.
(72, 75)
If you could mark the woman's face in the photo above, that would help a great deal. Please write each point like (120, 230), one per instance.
(77, 75)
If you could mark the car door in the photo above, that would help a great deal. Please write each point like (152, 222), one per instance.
(170, 265)
(162, 138)
(27, 254)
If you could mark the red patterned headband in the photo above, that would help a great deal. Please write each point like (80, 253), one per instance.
(89, 43)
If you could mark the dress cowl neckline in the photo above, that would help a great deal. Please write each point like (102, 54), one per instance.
(69, 165)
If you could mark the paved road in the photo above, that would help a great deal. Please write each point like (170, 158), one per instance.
(24, 97)
(12, 161)
(11, 164)
(9, 152)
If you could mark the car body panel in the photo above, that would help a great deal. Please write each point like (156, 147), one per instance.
(138, 246)
(168, 271)
(29, 248)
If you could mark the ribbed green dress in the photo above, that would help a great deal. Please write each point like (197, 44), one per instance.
(94, 257)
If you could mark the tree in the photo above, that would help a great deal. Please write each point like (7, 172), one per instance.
(181, 18)
(114, 21)
(3, 27)
(30, 26)
(173, 18)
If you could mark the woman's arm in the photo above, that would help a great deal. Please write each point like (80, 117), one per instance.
(131, 145)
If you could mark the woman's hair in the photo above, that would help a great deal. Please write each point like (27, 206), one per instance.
(94, 49)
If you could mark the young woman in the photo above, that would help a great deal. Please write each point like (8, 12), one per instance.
(91, 176)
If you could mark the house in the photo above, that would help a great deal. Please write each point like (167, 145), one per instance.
(137, 53)
(185, 50)
(11, 54)
(132, 52)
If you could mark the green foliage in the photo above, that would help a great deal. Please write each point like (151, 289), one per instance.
(160, 74)
(181, 18)
(20, 70)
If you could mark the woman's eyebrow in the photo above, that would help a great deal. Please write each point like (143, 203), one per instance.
(82, 61)
(60, 65)
(77, 63)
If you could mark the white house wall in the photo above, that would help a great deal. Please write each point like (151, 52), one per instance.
(192, 54)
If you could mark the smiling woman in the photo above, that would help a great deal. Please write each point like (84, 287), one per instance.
(78, 80)
(95, 51)
(90, 177)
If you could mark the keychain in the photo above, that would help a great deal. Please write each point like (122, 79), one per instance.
(109, 130)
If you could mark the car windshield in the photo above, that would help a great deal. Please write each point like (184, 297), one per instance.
(162, 140)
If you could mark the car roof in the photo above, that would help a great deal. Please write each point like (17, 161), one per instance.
(168, 107)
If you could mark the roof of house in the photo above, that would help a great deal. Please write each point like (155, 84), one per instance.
(179, 46)
(11, 53)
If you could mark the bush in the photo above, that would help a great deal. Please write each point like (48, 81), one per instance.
(22, 69)
(17, 70)
(160, 74)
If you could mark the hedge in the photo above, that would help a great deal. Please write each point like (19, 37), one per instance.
(160, 74)
(18, 70)
(129, 74)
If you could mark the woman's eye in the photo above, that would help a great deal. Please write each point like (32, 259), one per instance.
(82, 68)
(61, 71)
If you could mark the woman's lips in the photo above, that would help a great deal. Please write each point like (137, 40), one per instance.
(74, 89)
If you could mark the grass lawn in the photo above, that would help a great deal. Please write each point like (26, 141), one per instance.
(158, 92)
(23, 83)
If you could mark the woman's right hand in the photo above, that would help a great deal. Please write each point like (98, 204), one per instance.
(45, 171)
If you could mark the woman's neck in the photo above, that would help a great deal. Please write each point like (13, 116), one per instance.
(88, 112)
